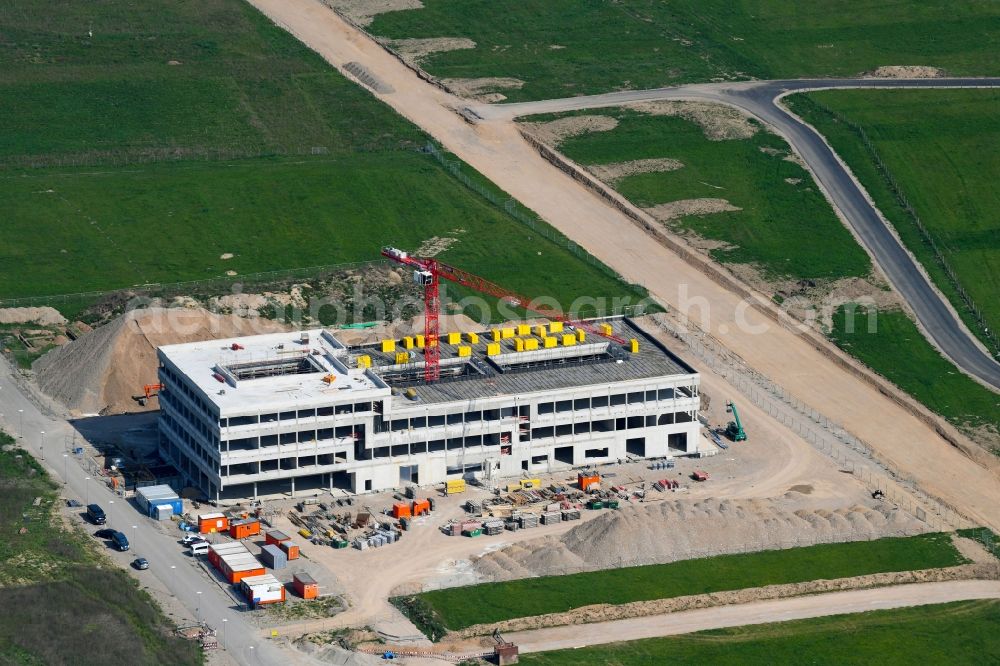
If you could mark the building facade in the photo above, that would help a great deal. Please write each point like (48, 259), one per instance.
(302, 412)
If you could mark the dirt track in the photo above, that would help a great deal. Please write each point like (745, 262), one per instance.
(782, 610)
(499, 152)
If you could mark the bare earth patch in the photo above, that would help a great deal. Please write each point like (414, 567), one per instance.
(793, 181)
(904, 72)
(43, 315)
(415, 51)
(483, 89)
(673, 210)
(435, 245)
(717, 121)
(363, 11)
(610, 173)
(555, 132)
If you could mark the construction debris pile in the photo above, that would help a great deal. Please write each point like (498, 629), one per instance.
(361, 529)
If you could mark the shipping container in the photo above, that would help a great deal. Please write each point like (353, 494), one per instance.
(401, 510)
(290, 549)
(305, 586)
(209, 523)
(234, 561)
(273, 556)
(275, 537)
(262, 589)
(243, 529)
(421, 507)
(150, 497)
(585, 480)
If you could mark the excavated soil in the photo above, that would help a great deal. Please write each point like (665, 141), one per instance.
(45, 316)
(673, 210)
(718, 121)
(610, 173)
(363, 11)
(904, 72)
(415, 51)
(554, 132)
(483, 89)
(679, 529)
(101, 370)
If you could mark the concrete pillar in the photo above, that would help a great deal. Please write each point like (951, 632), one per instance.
(255, 490)
(293, 487)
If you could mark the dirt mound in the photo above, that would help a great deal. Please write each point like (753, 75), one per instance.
(101, 370)
(718, 121)
(45, 316)
(555, 132)
(676, 209)
(415, 51)
(904, 72)
(363, 11)
(483, 89)
(610, 173)
(682, 529)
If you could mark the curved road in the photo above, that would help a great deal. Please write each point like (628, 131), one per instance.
(938, 319)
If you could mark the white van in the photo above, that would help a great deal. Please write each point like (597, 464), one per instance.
(199, 548)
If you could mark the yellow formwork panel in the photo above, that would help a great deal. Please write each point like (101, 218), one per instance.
(528, 484)
(507, 333)
(454, 338)
(531, 344)
(581, 335)
(568, 340)
(634, 345)
(524, 329)
(408, 342)
(540, 330)
(496, 334)
(402, 357)
(606, 329)
(492, 349)
(551, 342)
(388, 346)
(556, 327)
(364, 361)
(472, 338)
(420, 342)
(518, 344)
(465, 350)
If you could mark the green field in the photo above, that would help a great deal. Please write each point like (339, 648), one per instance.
(630, 44)
(942, 147)
(787, 229)
(119, 169)
(460, 607)
(963, 632)
(898, 350)
(51, 577)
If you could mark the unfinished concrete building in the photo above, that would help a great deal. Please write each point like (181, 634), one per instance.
(301, 412)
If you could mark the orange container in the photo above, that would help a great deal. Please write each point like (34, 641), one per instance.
(244, 528)
(291, 550)
(305, 586)
(401, 510)
(587, 480)
(275, 537)
(421, 507)
(209, 523)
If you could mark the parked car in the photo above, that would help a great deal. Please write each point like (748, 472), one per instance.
(199, 548)
(104, 534)
(192, 538)
(96, 514)
(120, 541)
(140, 563)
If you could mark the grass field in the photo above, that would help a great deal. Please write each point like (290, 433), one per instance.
(50, 577)
(561, 48)
(787, 229)
(461, 607)
(119, 169)
(963, 632)
(943, 149)
(897, 350)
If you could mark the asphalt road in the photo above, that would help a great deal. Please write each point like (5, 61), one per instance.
(172, 568)
(939, 321)
(759, 612)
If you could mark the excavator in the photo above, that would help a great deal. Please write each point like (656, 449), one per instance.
(734, 430)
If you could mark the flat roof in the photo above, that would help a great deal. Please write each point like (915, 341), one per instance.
(295, 370)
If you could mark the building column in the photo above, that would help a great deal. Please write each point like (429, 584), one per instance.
(293, 487)
(255, 490)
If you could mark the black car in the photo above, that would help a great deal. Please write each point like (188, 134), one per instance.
(96, 514)
(104, 534)
(120, 541)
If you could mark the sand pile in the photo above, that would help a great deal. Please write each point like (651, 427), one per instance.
(101, 370)
(45, 316)
(681, 529)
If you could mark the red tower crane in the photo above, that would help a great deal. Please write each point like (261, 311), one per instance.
(428, 272)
